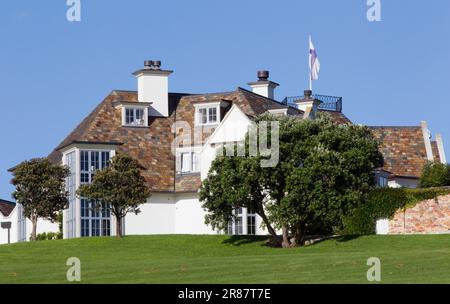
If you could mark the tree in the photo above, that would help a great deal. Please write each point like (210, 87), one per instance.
(330, 172)
(40, 189)
(435, 175)
(120, 185)
(233, 182)
(324, 171)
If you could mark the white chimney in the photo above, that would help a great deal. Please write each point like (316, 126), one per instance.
(427, 139)
(153, 86)
(264, 86)
(440, 144)
(308, 104)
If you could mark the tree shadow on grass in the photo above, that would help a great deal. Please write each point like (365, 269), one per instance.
(346, 238)
(238, 240)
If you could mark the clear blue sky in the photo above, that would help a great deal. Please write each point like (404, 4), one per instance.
(53, 73)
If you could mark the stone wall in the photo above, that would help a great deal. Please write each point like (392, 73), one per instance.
(430, 216)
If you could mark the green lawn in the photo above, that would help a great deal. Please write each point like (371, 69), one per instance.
(219, 259)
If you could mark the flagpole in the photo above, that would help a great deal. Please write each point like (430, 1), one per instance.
(309, 64)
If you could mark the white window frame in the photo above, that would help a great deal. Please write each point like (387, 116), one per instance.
(194, 165)
(21, 224)
(251, 217)
(134, 123)
(207, 107)
(94, 213)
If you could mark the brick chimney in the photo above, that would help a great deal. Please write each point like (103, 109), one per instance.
(153, 86)
(264, 86)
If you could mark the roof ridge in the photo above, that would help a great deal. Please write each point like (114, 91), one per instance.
(404, 127)
(7, 202)
(261, 96)
(209, 94)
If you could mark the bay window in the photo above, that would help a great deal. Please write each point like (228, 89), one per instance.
(95, 216)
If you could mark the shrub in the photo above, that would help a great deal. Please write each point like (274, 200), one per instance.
(384, 203)
(49, 236)
(435, 175)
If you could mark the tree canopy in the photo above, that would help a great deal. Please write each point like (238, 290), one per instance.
(40, 189)
(324, 171)
(120, 185)
(435, 175)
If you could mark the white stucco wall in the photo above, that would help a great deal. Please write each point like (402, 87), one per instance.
(157, 216)
(42, 226)
(13, 232)
(232, 129)
(189, 215)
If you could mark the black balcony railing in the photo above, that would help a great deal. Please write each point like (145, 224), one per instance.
(329, 103)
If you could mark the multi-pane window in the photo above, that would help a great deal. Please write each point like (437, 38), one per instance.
(236, 226)
(207, 115)
(95, 216)
(251, 222)
(134, 117)
(188, 162)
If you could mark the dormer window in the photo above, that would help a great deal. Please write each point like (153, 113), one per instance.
(207, 114)
(134, 114)
(134, 117)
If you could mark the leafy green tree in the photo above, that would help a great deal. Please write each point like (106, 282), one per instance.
(120, 185)
(324, 171)
(331, 172)
(40, 189)
(234, 182)
(435, 175)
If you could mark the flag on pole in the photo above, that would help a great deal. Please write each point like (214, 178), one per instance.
(314, 64)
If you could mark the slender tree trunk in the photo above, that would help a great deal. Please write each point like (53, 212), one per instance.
(299, 235)
(118, 227)
(274, 241)
(34, 229)
(286, 243)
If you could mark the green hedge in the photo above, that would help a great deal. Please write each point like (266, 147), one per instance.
(49, 236)
(384, 203)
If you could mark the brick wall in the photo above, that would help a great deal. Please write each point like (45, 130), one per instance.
(430, 216)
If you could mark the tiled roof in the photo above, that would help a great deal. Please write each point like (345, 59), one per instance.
(403, 149)
(337, 117)
(6, 207)
(152, 146)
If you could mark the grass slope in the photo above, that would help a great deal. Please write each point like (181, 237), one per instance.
(219, 259)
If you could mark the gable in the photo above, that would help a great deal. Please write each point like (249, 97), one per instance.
(6, 207)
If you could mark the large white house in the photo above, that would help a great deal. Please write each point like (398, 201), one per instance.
(175, 136)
